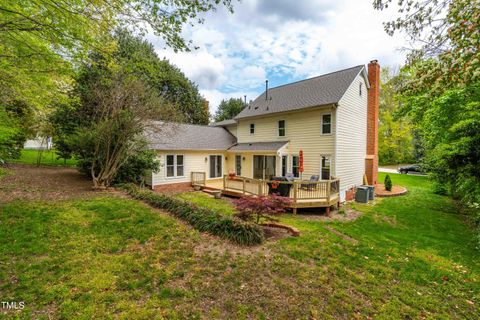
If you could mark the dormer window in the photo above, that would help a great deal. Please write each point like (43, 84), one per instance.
(360, 89)
(252, 128)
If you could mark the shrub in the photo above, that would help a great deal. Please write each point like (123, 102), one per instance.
(439, 188)
(388, 183)
(253, 208)
(202, 219)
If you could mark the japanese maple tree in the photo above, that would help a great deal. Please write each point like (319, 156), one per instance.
(253, 208)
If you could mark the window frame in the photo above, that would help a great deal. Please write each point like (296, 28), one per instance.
(292, 162)
(252, 126)
(216, 162)
(325, 157)
(360, 87)
(322, 123)
(284, 128)
(238, 157)
(174, 166)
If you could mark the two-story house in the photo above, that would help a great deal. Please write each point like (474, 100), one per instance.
(332, 120)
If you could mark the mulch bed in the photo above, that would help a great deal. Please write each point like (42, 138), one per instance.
(396, 191)
(29, 182)
(348, 214)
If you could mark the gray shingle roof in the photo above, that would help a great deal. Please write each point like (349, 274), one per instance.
(257, 146)
(223, 123)
(175, 136)
(322, 90)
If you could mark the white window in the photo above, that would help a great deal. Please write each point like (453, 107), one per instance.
(252, 128)
(325, 168)
(238, 165)
(215, 166)
(296, 166)
(175, 165)
(281, 128)
(327, 123)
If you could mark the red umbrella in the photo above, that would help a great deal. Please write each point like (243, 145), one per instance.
(300, 161)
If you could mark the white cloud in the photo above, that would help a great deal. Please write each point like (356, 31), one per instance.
(284, 41)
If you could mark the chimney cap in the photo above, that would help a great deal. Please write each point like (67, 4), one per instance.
(375, 61)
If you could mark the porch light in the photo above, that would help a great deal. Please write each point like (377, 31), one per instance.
(226, 158)
(206, 159)
(243, 158)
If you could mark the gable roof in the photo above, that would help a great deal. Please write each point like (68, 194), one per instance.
(318, 91)
(223, 123)
(180, 136)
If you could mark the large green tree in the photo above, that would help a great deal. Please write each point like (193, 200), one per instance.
(440, 89)
(228, 109)
(395, 138)
(40, 40)
(445, 38)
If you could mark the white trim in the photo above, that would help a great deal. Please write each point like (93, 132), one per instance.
(335, 152)
(235, 164)
(331, 123)
(221, 163)
(175, 155)
(284, 128)
(291, 164)
(321, 166)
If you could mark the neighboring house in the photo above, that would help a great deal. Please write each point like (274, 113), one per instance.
(39, 143)
(332, 118)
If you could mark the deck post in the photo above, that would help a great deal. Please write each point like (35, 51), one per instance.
(224, 181)
(329, 186)
(191, 178)
(260, 188)
(295, 187)
(243, 188)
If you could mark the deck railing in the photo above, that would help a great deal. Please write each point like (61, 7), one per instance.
(198, 178)
(297, 190)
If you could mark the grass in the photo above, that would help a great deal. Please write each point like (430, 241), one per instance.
(49, 158)
(3, 172)
(204, 200)
(111, 257)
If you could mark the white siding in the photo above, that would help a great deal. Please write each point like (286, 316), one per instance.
(193, 161)
(232, 129)
(303, 131)
(351, 135)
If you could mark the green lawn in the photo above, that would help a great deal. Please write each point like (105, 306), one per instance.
(49, 158)
(205, 200)
(117, 258)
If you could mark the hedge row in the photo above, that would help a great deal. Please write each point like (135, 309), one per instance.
(202, 219)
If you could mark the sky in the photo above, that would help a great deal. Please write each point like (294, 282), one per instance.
(282, 41)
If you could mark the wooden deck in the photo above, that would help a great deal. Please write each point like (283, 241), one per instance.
(303, 194)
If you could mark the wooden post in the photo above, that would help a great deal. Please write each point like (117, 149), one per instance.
(329, 185)
(243, 188)
(295, 192)
(327, 211)
(224, 181)
(191, 178)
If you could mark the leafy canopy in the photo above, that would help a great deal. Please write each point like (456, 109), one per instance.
(42, 40)
(228, 109)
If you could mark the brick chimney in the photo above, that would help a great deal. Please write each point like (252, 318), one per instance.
(371, 160)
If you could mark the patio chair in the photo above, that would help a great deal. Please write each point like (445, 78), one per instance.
(310, 186)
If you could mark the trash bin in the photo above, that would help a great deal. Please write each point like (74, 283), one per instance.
(371, 192)
(362, 194)
(281, 189)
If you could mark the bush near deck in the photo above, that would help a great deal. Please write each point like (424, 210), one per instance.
(202, 219)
